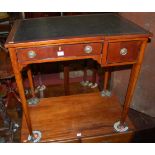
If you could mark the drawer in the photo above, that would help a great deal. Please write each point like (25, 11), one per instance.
(124, 51)
(48, 52)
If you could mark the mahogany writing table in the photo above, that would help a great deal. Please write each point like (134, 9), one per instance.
(108, 39)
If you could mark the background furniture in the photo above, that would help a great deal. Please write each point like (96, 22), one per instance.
(9, 127)
(6, 71)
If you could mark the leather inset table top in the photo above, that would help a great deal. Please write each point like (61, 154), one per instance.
(75, 26)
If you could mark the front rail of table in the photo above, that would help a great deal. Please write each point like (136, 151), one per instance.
(107, 50)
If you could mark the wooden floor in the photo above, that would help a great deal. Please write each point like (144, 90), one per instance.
(84, 117)
(143, 131)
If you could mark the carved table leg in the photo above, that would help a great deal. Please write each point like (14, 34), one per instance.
(106, 79)
(107, 75)
(20, 87)
(94, 75)
(34, 100)
(120, 125)
(85, 82)
(93, 84)
(29, 74)
(23, 100)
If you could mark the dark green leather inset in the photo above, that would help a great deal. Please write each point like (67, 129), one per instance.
(75, 26)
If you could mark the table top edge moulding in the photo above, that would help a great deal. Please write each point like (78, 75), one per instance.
(15, 36)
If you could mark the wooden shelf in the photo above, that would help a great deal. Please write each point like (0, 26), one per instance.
(60, 119)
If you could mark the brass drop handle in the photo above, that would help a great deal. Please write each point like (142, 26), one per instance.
(88, 49)
(31, 54)
(123, 51)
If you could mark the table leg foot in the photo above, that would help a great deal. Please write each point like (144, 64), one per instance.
(33, 101)
(120, 128)
(105, 93)
(40, 88)
(84, 83)
(91, 85)
(36, 137)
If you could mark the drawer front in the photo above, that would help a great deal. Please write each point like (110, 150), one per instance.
(124, 51)
(48, 52)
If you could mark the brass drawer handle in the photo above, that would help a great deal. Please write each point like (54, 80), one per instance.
(123, 51)
(88, 49)
(31, 54)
